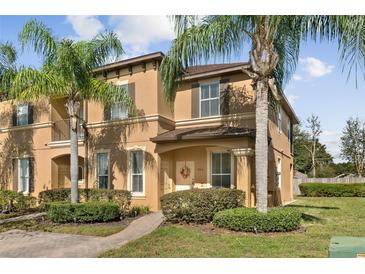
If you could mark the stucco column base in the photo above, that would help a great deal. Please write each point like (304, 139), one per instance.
(244, 173)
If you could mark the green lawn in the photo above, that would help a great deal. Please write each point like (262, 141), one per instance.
(96, 229)
(324, 217)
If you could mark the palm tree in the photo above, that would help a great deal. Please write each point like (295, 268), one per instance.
(274, 43)
(67, 71)
(8, 69)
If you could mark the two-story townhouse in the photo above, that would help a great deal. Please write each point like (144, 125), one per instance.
(206, 140)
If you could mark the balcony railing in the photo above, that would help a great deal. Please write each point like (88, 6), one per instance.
(61, 131)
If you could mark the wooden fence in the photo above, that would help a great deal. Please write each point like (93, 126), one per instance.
(346, 180)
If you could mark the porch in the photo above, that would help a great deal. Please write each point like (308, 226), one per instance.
(207, 157)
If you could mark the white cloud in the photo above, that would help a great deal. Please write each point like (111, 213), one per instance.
(85, 26)
(292, 98)
(297, 77)
(138, 33)
(315, 67)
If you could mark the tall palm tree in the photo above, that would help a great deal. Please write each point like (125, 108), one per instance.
(274, 43)
(67, 71)
(8, 68)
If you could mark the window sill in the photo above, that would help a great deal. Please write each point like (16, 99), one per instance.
(137, 196)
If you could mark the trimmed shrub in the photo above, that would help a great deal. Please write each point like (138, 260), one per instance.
(88, 212)
(332, 190)
(250, 220)
(120, 197)
(138, 210)
(199, 205)
(12, 201)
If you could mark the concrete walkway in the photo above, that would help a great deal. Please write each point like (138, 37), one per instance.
(22, 244)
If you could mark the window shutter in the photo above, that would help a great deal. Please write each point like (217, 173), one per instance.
(195, 100)
(106, 112)
(31, 175)
(30, 114)
(224, 96)
(14, 118)
(132, 94)
(15, 174)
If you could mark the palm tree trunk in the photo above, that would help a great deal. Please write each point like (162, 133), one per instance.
(74, 163)
(261, 145)
(72, 109)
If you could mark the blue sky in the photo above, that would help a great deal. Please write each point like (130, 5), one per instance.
(318, 86)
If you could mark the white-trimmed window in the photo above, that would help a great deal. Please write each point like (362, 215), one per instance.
(137, 172)
(209, 99)
(22, 114)
(280, 119)
(102, 168)
(278, 172)
(24, 175)
(221, 169)
(118, 110)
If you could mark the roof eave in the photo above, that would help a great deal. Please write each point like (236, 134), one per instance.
(215, 72)
(135, 60)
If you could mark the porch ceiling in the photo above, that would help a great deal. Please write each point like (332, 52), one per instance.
(198, 133)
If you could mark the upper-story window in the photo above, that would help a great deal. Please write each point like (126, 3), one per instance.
(209, 99)
(118, 110)
(22, 115)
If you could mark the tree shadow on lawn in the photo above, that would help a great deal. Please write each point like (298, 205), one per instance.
(312, 218)
(316, 207)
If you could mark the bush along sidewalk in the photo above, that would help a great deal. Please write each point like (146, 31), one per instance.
(120, 197)
(199, 205)
(12, 201)
(332, 190)
(87, 212)
(250, 220)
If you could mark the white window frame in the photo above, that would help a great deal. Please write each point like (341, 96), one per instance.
(209, 165)
(280, 120)
(107, 151)
(130, 171)
(20, 185)
(119, 83)
(209, 99)
(279, 171)
(17, 114)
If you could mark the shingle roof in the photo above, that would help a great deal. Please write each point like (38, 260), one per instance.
(207, 132)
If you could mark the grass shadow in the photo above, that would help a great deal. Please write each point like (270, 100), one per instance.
(316, 207)
(312, 218)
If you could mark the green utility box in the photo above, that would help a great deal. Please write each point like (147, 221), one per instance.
(347, 247)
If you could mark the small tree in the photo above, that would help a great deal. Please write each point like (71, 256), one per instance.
(314, 127)
(353, 144)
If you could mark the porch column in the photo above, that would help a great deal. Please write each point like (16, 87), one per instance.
(245, 173)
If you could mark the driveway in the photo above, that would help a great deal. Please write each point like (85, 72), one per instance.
(23, 244)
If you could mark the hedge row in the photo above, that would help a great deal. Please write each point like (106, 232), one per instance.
(87, 212)
(199, 205)
(12, 201)
(332, 190)
(120, 197)
(250, 220)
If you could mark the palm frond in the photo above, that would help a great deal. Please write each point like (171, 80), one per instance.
(8, 55)
(30, 84)
(40, 37)
(101, 49)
